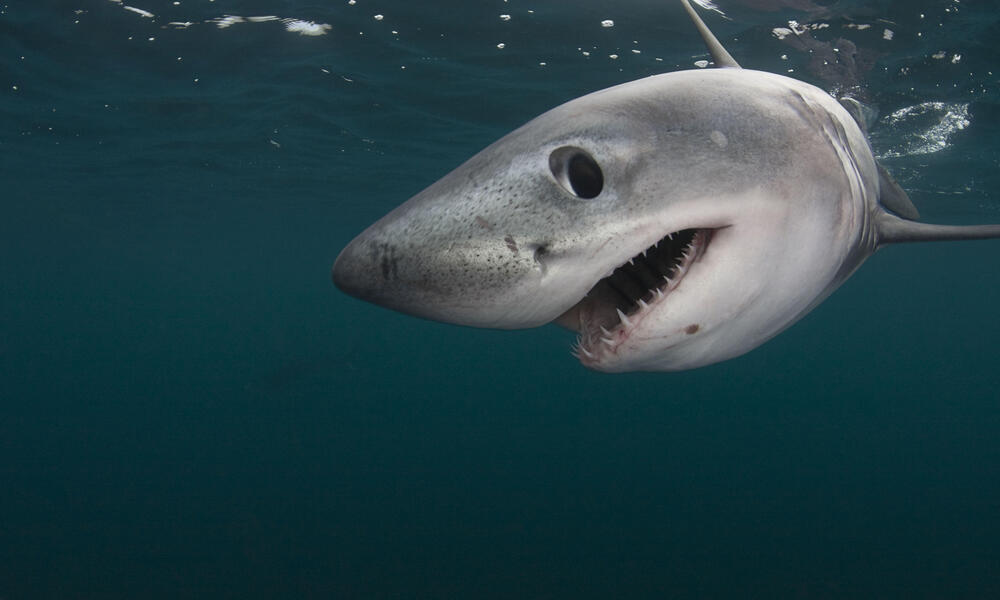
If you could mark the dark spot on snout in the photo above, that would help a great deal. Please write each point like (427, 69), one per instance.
(483, 223)
(692, 329)
(388, 262)
(511, 244)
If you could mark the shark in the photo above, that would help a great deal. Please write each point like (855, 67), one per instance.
(672, 222)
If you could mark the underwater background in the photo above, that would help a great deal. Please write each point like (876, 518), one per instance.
(190, 409)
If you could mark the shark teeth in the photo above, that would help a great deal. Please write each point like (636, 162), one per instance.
(623, 299)
(580, 352)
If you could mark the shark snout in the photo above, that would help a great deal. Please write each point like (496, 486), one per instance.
(347, 274)
(489, 282)
(365, 269)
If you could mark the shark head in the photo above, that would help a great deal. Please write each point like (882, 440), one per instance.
(668, 225)
(672, 222)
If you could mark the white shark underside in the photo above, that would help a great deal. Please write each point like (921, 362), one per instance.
(674, 221)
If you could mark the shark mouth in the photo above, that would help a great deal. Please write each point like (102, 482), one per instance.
(617, 304)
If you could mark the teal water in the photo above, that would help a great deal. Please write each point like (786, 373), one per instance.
(189, 408)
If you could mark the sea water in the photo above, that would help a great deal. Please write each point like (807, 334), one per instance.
(190, 409)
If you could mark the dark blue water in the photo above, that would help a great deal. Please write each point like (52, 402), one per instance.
(189, 408)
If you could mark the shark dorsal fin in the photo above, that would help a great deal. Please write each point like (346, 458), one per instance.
(719, 54)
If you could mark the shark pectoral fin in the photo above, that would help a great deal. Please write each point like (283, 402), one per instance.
(891, 196)
(719, 54)
(862, 114)
(891, 229)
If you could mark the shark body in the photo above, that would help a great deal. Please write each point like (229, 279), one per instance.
(674, 221)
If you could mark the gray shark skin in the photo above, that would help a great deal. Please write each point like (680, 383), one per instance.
(674, 221)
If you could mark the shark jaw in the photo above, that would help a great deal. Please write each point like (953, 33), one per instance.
(615, 308)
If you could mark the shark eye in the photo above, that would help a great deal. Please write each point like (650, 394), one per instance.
(577, 171)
